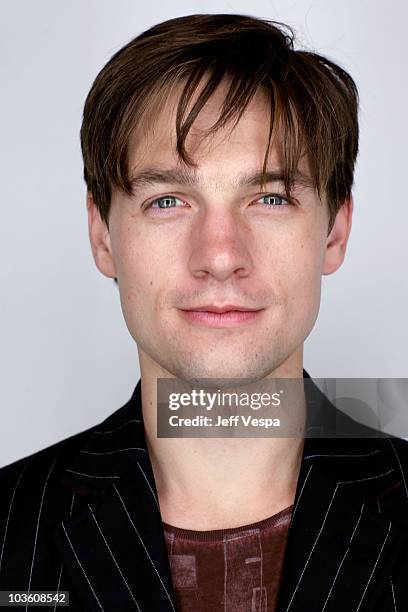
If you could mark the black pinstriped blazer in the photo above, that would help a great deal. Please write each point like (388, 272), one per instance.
(82, 515)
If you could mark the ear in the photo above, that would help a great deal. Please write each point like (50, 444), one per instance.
(100, 239)
(337, 239)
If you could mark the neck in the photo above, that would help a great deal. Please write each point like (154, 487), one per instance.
(216, 483)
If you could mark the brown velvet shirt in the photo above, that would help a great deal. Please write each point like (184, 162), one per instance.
(236, 569)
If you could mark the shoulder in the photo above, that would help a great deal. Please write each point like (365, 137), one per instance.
(35, 498)
(34, 485)
(37, 494)
(32, 501)
(36, 464)
(48, 464)
(37, 478)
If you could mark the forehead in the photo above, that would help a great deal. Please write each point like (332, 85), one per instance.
(155, 139)
(232, 154)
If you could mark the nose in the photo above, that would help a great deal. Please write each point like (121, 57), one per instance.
(220, 242)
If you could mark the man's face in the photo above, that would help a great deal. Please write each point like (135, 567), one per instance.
(217, 243)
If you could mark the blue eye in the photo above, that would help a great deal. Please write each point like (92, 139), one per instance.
(274, 200)
(167, 202)
(271, 200)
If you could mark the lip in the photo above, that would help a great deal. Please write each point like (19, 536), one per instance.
(221, 309)
(232, 317)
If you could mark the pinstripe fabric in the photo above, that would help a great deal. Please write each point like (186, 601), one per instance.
(83, 516)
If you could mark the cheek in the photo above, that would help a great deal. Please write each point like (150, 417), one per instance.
(134, 255)
(145, 278)
(303, 294)
(295, 264)
(133, 268)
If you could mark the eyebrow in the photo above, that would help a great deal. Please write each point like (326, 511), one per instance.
(185, 176)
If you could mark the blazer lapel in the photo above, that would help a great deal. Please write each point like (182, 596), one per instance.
(113, 549)
(340, 548)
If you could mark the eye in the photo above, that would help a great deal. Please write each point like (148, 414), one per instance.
(274, 200)
(164, 202)
(270, 200)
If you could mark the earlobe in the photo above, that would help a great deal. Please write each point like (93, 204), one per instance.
(99, 237)
(336, 242)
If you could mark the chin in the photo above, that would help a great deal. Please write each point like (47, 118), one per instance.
(224, 372)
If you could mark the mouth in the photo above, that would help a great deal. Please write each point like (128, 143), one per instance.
(226, 316)
(222, 309)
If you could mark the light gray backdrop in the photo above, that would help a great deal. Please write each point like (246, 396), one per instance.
(67, 359)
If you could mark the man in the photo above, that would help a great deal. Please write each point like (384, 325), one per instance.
(219, 165)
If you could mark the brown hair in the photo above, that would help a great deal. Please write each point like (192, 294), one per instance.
(313, 99)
